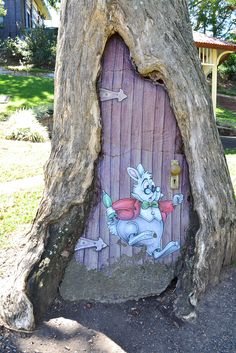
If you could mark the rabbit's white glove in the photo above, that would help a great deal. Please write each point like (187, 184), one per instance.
(178, 199)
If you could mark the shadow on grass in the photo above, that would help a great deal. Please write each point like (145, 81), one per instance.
(25, 92)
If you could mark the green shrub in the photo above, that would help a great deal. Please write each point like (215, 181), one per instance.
(227, 70)
(43, 111)
(37, 47)
(13, 49)
(28, 68)
(25, 134)
(24, 126)
(40, 47)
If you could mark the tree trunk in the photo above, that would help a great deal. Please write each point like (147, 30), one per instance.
(159, 37)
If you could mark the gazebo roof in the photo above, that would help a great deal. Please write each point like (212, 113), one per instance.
(203, 41)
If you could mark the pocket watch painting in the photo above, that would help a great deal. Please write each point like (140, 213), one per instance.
(139, 221)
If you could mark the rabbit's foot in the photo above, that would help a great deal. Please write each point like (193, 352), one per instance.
(143, 238)
(168, 249)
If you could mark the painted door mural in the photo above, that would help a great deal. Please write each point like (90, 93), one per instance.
(143, 207)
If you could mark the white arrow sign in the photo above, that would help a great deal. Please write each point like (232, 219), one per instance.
(106, 95)
(85, 243)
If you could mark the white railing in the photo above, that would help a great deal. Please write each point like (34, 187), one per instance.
(205, 56)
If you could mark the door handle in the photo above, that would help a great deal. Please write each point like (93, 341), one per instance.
(175, 171)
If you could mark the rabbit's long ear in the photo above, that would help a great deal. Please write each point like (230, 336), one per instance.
(133, 173)
(140, 169)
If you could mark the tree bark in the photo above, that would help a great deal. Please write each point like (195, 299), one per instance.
(159, 36)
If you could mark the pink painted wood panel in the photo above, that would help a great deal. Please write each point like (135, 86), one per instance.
(140, 129)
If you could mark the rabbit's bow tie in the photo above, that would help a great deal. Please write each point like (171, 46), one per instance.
(146, 204)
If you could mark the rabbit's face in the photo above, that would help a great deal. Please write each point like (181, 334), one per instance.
(144, 189)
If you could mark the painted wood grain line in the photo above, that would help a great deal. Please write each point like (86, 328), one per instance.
(154, 139)
(178, 214)
(158, 133)
(168, 155)
(148, 123)
(109, 56)
(186, 204)
(136, 135)
(157, 136)
(107, 82)
(127, 65)
(149, 99)
(165, 181)
(115, 145)
(127, 113)
(176, 217)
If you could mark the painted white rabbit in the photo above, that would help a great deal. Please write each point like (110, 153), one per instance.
(140, 221)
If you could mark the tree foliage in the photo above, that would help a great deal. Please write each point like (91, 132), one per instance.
(54, 3)
(227, 69)
(3, 11)
(215, 16)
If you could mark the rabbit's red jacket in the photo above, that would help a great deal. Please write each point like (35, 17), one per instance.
(129, 209)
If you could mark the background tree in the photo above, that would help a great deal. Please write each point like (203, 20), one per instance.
(215, 16)
(54, 3)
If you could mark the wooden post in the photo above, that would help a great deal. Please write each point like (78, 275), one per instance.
(214, 81)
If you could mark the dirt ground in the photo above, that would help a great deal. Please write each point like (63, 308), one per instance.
(145, 326)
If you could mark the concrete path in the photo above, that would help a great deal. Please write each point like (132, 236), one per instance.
(4, 71)
(228, 102)
(228, 141)
(29, 183)
(21, 184)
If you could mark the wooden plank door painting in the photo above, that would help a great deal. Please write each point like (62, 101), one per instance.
(138, 226)
(138, 209)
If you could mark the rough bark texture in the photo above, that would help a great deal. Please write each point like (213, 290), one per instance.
(158, 34)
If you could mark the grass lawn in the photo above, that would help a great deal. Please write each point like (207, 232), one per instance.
(15, 210)
(25, 92)
(19, 159)
(226, 116)
(231, 161)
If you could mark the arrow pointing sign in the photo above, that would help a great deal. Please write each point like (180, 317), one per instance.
(85, 243)
(106, 95)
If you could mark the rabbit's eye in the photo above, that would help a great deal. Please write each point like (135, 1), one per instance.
(145, 185)
(147, 190)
